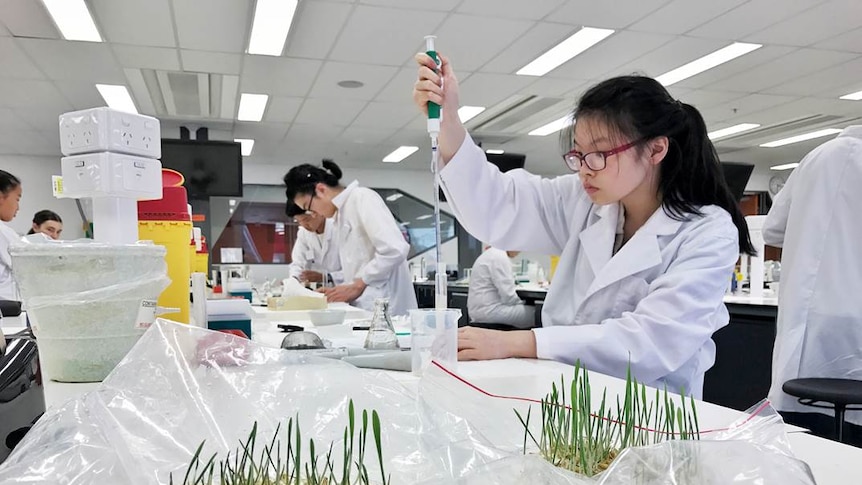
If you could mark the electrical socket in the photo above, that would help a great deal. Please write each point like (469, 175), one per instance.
(104, 129)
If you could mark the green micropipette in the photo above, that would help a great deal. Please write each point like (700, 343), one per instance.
(440, 279)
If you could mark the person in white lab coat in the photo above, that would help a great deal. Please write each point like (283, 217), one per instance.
(647, 230)
(372, 251)
(816, 220)
(47, 222)
(10, 197)
(492, 297)
(314, 257)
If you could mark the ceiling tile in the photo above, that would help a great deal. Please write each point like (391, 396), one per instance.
(28, 18)
(81, 94)
(283, 109)
(386, 115)
(555, 87)
(745, 106)
(621, 49)
(796, 64)
(814, 25)
(404, 33)
(41, 118)
(29, 142)
(20, 93)
(280, 76)
(12, 120)
(312, 133)
(400, 87)
(329, 112)
(821, 81)
(793, 110)
(680, 16)
(702, 99)
(675, 53)
(315, 29)
(137, 22)
(750, 17)
(365, 136)
(373, 77)
(260, 131)
(475, 40)
(742, 64)
(485, 89)
(211, 62)
(63, 60)
(147, 57)
(609, 15)
(440, 5)
(849, 42)
(534, 9)
(15, 62)
(217, 25)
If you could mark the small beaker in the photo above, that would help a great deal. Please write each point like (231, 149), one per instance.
(430, 341)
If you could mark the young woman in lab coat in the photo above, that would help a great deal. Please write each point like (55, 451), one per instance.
(815, 219)
(647, 231)
(10, 196)
(492, 297)
(315, 254)
(48, 223)
(372, 250)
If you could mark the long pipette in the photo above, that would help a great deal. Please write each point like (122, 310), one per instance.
(440, 280)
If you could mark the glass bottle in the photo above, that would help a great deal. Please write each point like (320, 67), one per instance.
(381, 333)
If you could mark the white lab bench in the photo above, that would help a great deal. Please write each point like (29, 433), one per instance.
(831, 462)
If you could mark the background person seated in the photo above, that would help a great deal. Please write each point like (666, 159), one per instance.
(492, 297)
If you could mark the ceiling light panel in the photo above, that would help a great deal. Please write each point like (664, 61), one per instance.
(272, 19)
(707, 62)
(564, 51)
(73, 19)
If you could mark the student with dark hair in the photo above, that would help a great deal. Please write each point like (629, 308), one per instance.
(372, 250)
(647, 230)
(314, 257)
(10, 197)
(47, 222)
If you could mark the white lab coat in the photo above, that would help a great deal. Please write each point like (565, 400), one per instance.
(655, 303)
(316, 252)
(8, 288)
(371, 247)
(492, 297)
(817, 219)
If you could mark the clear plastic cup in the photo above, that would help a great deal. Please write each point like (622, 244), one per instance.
(428, 341)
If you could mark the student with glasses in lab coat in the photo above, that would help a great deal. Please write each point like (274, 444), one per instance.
(314, 258)
(647, 230)
(372, 250)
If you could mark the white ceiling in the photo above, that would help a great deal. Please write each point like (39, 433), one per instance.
(812, 54)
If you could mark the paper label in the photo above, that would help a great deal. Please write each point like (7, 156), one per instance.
(146, 314)
(57, 184)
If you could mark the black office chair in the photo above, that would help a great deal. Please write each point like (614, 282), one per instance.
(459, 301)
(838, 394)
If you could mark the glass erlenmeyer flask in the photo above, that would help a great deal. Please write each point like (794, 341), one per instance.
(381, 333)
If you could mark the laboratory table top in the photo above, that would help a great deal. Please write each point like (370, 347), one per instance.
(831, 462)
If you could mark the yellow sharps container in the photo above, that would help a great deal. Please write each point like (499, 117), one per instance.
(166, 222)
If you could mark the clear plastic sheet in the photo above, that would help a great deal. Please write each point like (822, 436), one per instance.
(180, 385)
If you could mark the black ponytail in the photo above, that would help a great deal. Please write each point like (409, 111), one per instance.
(8, 182)
(44, 216)
(303, 178)
(690, 175)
